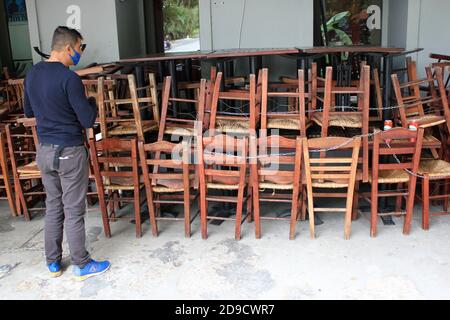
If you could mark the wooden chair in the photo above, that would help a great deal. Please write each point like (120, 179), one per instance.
(15, 101)
(116, 169)
(5, 175)
(168, 181)
(278, 172)
(332, 170)
(187, 125)
(427, 110)
(293, 119)
(405, 146)
(22, 144)
(242, 123)
(132, 125)
(356, 119)
(222, 165)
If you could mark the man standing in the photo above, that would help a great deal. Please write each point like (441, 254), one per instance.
(55, 96)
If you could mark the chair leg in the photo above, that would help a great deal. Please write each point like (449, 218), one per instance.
(105, 216)
(187, 213)
(348, 217)
(446, 193)
(250, 205)
(137, 213)
(355, 212)
(256, 212)
(304, 205)
(311, 215)
(426, 203)
(398, 203)
(203, 213)
(374, 211)
(239, 208)
(294, 215)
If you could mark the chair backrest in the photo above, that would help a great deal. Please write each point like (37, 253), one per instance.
(409, 98)
(404, 145)
(222, 159)
(243, 96)
(298, 94)
(16, 94)
(276, 159)
(183, 122)
(166, 164)
(335, 165)
(140, 105)
(115, 161)
(22, 144)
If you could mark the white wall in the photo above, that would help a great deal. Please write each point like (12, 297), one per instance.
(434, 34)
(264, 23)
(98, 26)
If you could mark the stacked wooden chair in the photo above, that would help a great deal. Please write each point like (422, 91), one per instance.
(116, 168)
(169, 178)
(327, 165)
(405, 148)
(351, 117)
(22, 145)
(222, 166)
(276, 164)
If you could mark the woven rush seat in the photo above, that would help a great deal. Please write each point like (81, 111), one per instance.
(435, 168)
(130, 129)
(163, 189)
(429, 120)
(30, 169)
(182, 132)
(117, 187)
(220, 186)
(336, 120)
(233, 126)
(329, 185)
(275, 186)
(392, 176)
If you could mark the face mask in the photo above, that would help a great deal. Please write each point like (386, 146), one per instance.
(75, 58)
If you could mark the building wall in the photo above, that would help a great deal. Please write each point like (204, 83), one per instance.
(434, 31)
(98, 26)
(131, 28)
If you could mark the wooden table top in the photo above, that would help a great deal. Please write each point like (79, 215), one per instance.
(352, 49)
(168, 56)
(231, 53)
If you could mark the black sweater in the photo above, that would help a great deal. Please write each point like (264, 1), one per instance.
(55, 96)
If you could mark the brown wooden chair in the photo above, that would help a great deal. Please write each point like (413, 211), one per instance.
(276, 166)
(168, 181)
(427, 110)
(358, 118)
(22, 144)
(222, 165)
(331, 170)
(5, 176)
(15, 101)
(116, 168)
(404, 149)
(186, 124)
(292, 119)
(132, 124)
(230, 121)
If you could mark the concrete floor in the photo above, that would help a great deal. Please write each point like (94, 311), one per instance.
(171, 267)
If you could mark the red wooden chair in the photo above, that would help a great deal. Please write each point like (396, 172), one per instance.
(405, 146)
(276, 165)
(116, 169)
(5, 176)
(168, 181)
(222, 165)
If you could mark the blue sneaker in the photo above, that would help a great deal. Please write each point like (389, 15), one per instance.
(92, 269)
(55, 269)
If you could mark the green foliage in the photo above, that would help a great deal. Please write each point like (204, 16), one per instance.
(181, 18)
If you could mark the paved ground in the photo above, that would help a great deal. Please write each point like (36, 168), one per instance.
(170, 267)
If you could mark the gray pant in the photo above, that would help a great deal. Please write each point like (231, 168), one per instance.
(66, 189)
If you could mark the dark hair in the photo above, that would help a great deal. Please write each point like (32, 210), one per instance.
(64, 36)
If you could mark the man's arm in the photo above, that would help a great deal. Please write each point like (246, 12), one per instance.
(27, 105)
(85, 109)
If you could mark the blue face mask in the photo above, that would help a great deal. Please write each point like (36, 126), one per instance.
(75, 58)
